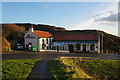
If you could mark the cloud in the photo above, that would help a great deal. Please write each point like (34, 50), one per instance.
(105, 13)
(110, 18)
(105, 20)
(96, 20)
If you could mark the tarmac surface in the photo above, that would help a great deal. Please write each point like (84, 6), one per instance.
(41, 71)
(51, 55)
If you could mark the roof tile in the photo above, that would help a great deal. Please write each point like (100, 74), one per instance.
(76, 37)
(42, 34)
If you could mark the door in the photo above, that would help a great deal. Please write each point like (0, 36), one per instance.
(92, 46)
(78, 47)
(84, 48)
(71, 48)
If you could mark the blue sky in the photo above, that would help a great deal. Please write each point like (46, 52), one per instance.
(71, 15)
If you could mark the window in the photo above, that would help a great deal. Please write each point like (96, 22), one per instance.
(50, 47)
(32, 37)
(54, 48)
(28, 35)
(92, 47)
(63, 48)
(50, 40)
(43, 41)
(47, 41)
(43, 46)
(84, 47)
(30, 43)
(60, 48)
(78, 46)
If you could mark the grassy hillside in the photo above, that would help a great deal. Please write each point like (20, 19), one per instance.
(42, 27)
(14, 33)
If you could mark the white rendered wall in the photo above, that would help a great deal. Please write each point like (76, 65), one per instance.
(81, 47)
(45, 41)
(31, 40)
(87, 47)
(40, 44)
(98, 47)
(66, 47)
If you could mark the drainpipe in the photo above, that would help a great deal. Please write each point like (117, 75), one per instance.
(38, 44)
(101, 43)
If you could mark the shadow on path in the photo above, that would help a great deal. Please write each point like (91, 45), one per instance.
(41, 71)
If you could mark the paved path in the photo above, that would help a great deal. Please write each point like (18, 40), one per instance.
(40, 71)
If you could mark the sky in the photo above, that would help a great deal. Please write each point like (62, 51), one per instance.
(70, 15)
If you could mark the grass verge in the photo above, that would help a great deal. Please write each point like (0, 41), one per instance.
(97, 69)
(61, 70)
(101, 69)
(85, 69)
(58, 70)
(17, 68)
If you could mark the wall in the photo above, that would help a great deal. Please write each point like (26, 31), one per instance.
(87, 47)
(98, 47)
(34, 41)
(45, 41)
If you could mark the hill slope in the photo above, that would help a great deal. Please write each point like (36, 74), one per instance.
(5, 45)
(14, 33)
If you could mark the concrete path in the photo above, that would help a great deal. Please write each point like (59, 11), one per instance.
(40, 71)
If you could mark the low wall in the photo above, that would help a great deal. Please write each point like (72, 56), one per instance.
(54, 51)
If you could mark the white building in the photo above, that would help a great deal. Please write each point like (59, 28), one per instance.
(44, 41)
(40, 40)
(85, 42)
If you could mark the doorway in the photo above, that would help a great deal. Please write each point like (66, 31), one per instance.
(92, 46)
(84, 47)
(71, 48)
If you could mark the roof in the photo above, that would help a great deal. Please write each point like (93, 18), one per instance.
(60, 43)
(76, 37)
(42, 34)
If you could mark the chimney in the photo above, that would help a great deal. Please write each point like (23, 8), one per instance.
(31, 28)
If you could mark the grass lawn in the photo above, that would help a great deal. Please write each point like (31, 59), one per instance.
(58, 70)
(101, 69)
(61, 70)
(85, 69)
(17, 68)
